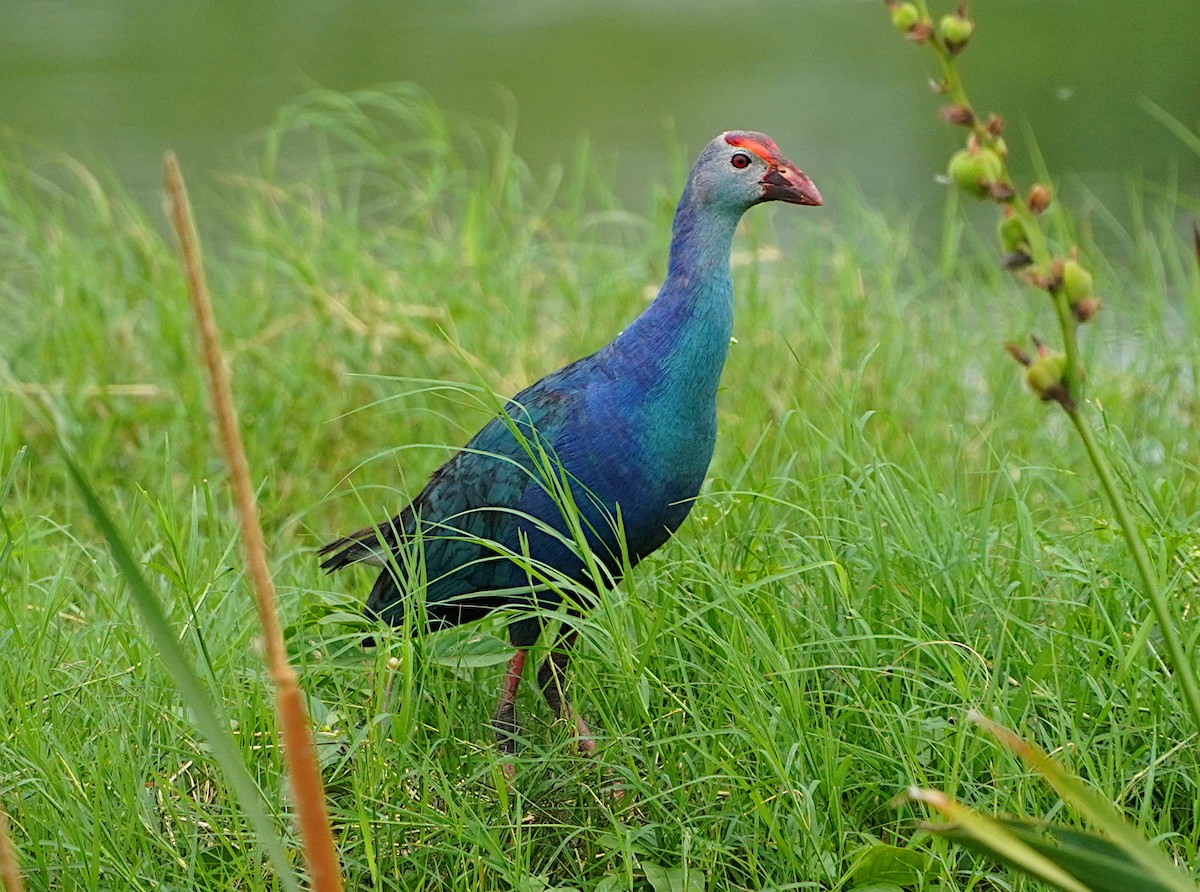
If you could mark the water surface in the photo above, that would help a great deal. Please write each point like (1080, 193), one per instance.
(118, 81)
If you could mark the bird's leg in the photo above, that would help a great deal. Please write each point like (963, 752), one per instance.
(504, 719)
(552, 678)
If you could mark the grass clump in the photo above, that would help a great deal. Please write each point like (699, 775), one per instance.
(1061, 856)
(889, 536)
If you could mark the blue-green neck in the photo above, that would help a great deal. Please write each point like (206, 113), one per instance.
(683, 336)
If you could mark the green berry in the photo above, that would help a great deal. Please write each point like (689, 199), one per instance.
(1045, 374)
(955, 30)
(1012, 234)
(975, 171)
(1077, 281)
(905, 15)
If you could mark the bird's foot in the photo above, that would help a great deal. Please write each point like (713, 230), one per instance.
(504, 721)
(583, 737)
(550, 677)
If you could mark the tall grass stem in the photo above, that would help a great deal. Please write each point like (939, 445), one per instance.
(298, 747)
(1178, 654)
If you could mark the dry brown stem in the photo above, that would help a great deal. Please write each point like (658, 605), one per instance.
(10, 870)
(298, 749)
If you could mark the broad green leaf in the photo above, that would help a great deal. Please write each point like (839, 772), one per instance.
(881, 863)
(672, 879)
(614, 882)
(470, 652)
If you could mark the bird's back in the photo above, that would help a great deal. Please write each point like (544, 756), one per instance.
(592, 451)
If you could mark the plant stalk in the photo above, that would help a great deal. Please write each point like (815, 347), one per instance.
(298, 748)
(1072, 381)
(1158, 601)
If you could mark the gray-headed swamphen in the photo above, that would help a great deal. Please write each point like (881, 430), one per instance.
(631, 427)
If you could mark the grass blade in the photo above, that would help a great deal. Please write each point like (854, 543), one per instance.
(204, 713)
(5, 488)
(1092, 806)
(10, 868)
(1092, 859)
(992, 838)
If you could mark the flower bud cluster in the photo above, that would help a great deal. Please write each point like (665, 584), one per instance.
(979, 170)
(908, 18)
(953, 29)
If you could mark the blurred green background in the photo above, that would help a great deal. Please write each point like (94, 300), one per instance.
(118, 81)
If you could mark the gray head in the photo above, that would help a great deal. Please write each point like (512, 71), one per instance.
(740, 169)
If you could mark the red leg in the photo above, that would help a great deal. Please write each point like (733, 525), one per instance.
(504, 719)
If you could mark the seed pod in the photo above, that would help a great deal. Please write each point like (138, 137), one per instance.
(1044, 375)
(975, 171)
(1012, 233)
(957, 114)
(955, 30)
(1015, 241)
(1076, 280)
(905, 15)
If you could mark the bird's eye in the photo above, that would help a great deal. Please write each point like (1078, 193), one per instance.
(741, 160)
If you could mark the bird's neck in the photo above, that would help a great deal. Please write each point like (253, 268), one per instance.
(686, 329)
(701, 240)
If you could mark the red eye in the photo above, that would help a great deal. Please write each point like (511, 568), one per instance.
(741, 161)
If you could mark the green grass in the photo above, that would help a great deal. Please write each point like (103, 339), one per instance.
(894, 531)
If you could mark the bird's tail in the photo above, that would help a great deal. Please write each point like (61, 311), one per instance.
(347, 550)
(372, 545)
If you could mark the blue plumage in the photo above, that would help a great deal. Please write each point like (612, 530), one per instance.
(631, 427)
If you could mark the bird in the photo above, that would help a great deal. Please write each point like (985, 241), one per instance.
(590, 469)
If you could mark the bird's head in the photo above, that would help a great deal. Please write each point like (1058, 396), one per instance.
(743, 168)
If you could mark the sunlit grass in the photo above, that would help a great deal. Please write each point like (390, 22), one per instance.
(892, 533)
